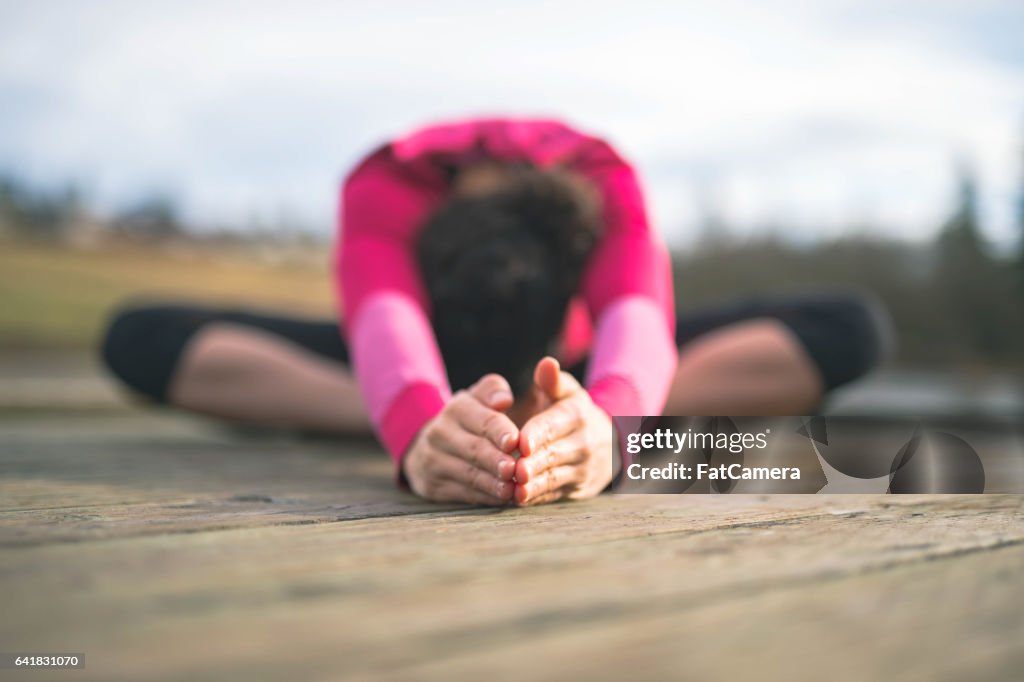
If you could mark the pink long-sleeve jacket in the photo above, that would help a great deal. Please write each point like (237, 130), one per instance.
(625, 302)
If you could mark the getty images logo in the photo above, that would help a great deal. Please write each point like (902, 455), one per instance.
(816, 454)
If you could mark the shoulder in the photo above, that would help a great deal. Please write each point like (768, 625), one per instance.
(545, 141)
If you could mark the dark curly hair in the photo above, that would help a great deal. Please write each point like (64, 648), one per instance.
(500, 269)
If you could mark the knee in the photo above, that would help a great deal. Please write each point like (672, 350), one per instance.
(851, 335)
(867, 321)
(141, 347)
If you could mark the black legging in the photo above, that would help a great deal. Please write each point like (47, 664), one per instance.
(845, 335)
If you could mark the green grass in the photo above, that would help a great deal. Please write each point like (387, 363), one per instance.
(59, 297)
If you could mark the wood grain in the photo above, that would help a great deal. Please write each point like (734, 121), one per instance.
(166, 550)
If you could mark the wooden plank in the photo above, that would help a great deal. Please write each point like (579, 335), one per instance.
(163, 456)
(154, 594)
(956, 617)
(72, 478)
(82, 479)
(390, 595)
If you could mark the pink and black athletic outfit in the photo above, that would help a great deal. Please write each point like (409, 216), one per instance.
(624, 312)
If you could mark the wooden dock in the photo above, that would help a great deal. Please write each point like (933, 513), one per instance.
(164, 548)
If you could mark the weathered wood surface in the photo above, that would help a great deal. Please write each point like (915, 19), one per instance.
(164, 548)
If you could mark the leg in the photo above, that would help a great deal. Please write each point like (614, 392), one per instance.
(774, 357)
(236, 365)
(252, 376)
(747, 368)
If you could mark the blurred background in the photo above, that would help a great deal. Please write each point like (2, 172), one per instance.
(195, 149)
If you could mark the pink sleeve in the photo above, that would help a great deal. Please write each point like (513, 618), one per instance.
(394, 353)
(628, 286)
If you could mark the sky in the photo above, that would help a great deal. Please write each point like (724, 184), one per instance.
(816, 117)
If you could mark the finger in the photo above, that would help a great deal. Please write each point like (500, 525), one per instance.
(558, 421)
(493, 391)
(450, 491)
(552, 381)
(546, 498)
(551, 485)
(495, 426)
(452, 469)
(467, 458)
(563, 452)
(477, 450)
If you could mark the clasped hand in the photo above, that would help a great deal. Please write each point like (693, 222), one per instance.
(467, 452)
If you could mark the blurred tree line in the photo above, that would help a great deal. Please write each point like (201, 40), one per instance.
(953, 300)
(34, 213)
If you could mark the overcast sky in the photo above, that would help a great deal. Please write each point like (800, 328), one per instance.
(812, 114)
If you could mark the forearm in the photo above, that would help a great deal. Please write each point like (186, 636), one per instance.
(634, 358)
(398, 367)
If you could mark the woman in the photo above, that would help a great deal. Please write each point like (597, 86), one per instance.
(471, 256)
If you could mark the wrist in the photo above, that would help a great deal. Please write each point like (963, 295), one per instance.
(406, 418)
(405, 471)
